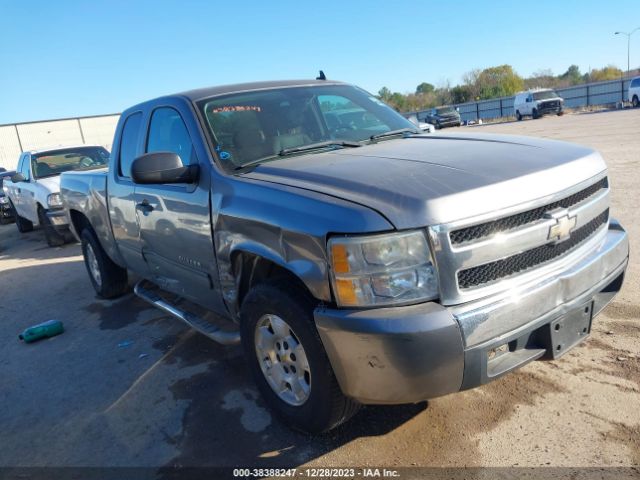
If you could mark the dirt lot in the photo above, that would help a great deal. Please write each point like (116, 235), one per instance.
(127, 386)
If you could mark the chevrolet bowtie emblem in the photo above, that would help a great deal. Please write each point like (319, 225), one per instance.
(564, 224)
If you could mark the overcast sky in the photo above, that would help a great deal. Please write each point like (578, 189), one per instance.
(72, 58)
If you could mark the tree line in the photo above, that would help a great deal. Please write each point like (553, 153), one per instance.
(493, 82)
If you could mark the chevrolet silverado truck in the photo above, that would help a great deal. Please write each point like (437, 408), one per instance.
(359, 263)
(34, 190)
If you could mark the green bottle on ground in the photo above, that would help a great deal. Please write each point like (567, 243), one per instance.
(47, 329)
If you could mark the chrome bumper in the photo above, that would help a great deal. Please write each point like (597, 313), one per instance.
(409, 354)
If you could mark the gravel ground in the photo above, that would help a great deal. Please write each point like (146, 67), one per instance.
(127, 386)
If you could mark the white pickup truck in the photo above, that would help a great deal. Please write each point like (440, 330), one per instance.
(34, 190)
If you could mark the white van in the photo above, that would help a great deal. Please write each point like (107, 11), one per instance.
(633, 94)
(538, 102)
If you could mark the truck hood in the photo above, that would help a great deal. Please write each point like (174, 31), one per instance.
(432, 179)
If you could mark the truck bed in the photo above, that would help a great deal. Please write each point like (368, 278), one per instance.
(85, 193)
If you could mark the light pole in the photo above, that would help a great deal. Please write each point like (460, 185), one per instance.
(628, 34)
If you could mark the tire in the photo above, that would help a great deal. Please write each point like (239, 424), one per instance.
(560, 113)
(518, 116)
(534, 113)
(108, 279)
(54, 238)
(22, 223)
(635, 101)
(321, 404)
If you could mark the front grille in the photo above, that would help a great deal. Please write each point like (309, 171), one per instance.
(549, 105)
(498, 270)
(478, 232)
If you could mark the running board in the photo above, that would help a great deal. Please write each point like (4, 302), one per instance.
(214, 332)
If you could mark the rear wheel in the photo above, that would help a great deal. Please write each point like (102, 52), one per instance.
(635, 101)
(53, 237)
(23, 225)
(518, 115)
(287, 359)
(108, 279)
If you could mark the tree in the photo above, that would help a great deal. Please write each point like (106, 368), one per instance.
(461, 94)
(500, 81)
(425, 87)
(610, 72)
(572, 76)
(384, 93)
(541, 78)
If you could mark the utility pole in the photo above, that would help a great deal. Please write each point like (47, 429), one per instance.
(628, 34)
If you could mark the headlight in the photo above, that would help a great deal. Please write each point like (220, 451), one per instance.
(382, 269)
(54, 200)
(4, 200)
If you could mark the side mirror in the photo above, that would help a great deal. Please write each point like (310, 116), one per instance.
(17, 178)
(162, 167)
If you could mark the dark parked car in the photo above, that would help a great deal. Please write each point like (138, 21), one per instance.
(441, 117)
(6, 212)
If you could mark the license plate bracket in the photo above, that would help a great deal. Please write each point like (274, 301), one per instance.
(570, 329)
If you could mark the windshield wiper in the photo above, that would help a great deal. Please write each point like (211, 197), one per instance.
(315, 146)
(394, 133)
(304, 148)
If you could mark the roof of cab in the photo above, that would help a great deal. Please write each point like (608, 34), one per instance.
(59, 147)
(201, 93)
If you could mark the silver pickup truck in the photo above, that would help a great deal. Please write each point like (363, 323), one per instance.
(357, 260)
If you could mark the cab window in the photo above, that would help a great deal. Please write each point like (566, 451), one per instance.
(168, 133)
(129, 143)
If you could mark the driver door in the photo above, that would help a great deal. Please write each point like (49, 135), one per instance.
(175, 222)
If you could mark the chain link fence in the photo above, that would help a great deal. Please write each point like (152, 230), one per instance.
(18, 137)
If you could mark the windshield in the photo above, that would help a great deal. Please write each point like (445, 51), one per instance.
(444, 110)
(544, 95)
(54, 162)
(252, 126)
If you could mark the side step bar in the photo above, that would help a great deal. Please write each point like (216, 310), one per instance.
(212, 331)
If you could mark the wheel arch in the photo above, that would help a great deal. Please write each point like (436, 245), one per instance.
(253, 264)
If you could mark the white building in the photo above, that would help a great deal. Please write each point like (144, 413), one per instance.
(18, 137)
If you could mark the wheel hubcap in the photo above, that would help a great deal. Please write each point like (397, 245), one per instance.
(94, 268)
(282, 360)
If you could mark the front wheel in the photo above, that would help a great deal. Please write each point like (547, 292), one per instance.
(109, 279)
(287, 359)
(635, 102)
(53, 237)
(22, 224)
(534, 113)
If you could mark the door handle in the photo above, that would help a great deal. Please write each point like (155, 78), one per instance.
(144, 206)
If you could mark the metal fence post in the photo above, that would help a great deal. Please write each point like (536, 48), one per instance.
(81, 132)
(588, 102)
(477, 110)
(18, 137)
(501, 115)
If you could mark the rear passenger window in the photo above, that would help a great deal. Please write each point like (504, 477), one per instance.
(168, 133)
(128, 143)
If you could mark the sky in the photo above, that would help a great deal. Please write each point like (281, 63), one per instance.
(70, 58)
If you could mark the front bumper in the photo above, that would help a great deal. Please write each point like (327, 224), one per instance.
(549, 109)
(5, 210)
(58, 219)
(409, 354)
(448, 122)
